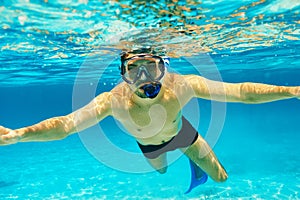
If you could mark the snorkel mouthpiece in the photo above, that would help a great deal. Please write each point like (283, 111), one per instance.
(151, 90)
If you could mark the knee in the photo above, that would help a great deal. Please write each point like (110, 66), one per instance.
(162, 170)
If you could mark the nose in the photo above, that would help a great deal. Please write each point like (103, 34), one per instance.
(143, 76)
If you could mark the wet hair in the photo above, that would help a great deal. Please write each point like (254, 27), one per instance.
(144, 50)
(128, 54)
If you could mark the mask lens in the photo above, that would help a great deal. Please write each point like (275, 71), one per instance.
(131, 71)
(151, 67)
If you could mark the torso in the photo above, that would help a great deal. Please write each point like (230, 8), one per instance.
(156, 121)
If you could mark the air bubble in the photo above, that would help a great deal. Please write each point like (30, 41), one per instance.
(22, 19)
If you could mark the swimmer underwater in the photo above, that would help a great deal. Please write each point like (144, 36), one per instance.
(137, 104)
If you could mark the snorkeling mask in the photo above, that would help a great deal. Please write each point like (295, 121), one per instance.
(145, 72)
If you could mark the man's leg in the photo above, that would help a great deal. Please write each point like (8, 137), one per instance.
(159, 163)
(204, 157)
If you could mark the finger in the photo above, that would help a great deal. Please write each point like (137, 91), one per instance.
(4, 130)
(5, 140)
(2, 141)
(10, 138)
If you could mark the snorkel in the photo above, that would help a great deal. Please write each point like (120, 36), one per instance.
(144, 73)
(151, 90)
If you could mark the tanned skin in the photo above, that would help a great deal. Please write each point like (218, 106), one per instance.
(154, 121)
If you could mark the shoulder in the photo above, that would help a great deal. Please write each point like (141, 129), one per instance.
(172, 78)
(177, 80)
(195, 80)
(178, 84)
(121, 90)
(120, 95)
(117, 92)
(115, 98)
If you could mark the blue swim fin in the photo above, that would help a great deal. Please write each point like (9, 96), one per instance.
(194, 180)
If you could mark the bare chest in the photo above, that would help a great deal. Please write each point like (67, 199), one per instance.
(154, 120)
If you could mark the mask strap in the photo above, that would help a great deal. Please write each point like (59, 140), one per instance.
(166, 61)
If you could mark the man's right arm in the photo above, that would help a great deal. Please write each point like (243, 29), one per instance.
(57, 128)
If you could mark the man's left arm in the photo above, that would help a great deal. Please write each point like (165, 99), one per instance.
(239, 92)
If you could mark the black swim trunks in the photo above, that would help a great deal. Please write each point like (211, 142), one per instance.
(186, 137)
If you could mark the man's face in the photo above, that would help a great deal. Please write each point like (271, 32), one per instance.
(144, 73)
(142, 68)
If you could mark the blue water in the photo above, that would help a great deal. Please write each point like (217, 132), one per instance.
(53, 50)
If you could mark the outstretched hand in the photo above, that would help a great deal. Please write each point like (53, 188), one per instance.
(295, 91)
(8, 136)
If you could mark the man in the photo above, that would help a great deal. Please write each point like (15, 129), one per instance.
(148, 104)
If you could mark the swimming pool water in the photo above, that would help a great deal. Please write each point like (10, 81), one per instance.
(50, 48)
(258, 147)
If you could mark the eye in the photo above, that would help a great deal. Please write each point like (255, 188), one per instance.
(131, 66)
(132, 72)
(151, 65)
